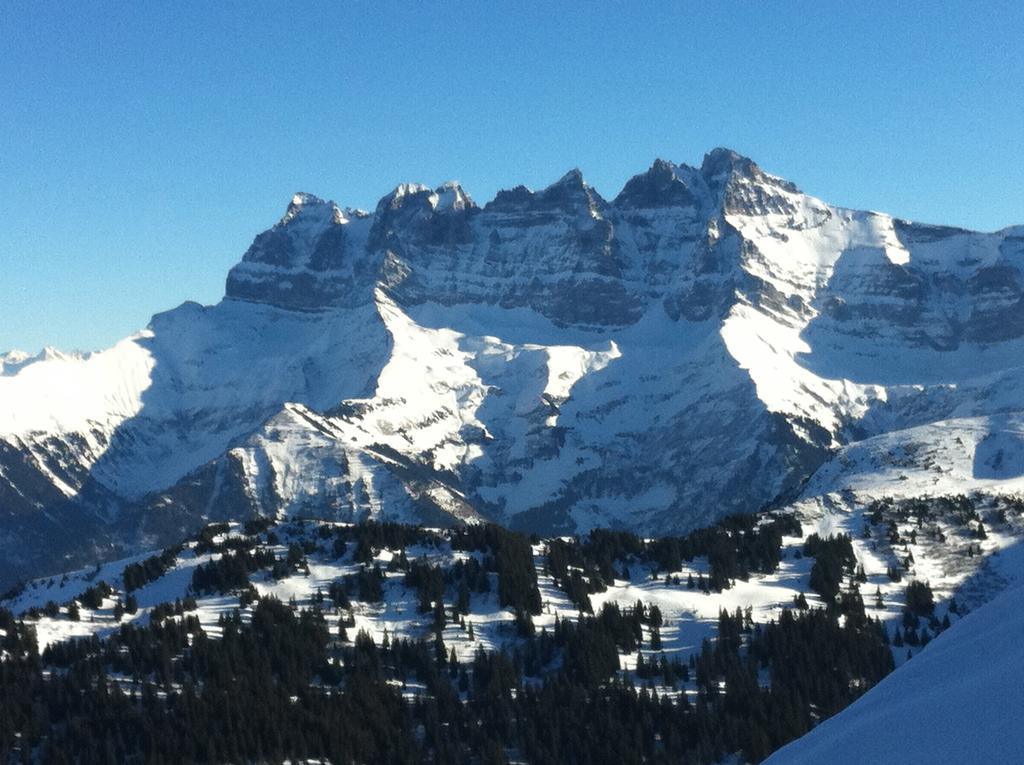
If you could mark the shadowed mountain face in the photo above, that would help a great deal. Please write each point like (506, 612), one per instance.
(552, 360)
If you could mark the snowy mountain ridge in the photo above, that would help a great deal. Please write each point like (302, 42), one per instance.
(702, 343)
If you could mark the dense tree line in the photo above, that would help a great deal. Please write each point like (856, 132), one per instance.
(833, 558)
(231, 571)
(282, 686)
(734, 548)
(510, 555)
(140, 574)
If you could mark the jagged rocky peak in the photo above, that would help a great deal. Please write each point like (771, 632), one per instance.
(308, 206)
(288, 244)
(721, 166)
(744, 188)
(726, 179)
(571, 180)
(416, 214)
(570, 193)
(306, 261)
(510, 200)
(562, 250)
(451, 197)
(722, 163)
(404, 195)
(665, 184)
(409, 201)
(658, 363)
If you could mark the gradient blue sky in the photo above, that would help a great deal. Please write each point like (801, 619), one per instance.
(143, 145)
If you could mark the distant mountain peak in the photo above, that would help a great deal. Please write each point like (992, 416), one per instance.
(14, 361)
(722, 166)
(313, 208)
(448, 197)
(518, 197)
(724, 160)
(402, 196)
(573, 179)
(570, 191)
(302, 199)
(661, 186)
(451, 197)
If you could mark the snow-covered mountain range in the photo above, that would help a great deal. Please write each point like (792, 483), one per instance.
(710, 340)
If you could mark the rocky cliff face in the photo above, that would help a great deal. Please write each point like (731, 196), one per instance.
(552, 360)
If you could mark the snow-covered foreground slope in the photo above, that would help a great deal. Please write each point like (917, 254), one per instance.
(553, 361)
(957, 702)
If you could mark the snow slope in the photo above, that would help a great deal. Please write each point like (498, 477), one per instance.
(958, 701)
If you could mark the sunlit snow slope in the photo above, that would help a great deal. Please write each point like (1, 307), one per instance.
(957, 702)
(701, 344)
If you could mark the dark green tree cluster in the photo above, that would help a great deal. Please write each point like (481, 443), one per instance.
(734, 547)
(428, 581)
(468, 577)
(833, 557)
(371, 537)
(574, 573)
(281, 686)
(370, 584)
(140, 574)
(163, 611)
(93, 597)
(231, 571)
(205, 539)
(920, 600)
(510, 555)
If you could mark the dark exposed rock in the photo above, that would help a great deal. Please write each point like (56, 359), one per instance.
(658, 187)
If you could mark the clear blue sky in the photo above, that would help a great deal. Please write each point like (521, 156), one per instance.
(143, 145)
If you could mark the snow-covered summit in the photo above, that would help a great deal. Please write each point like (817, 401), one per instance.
(14, 361)
(11, 361)
(450, 196)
